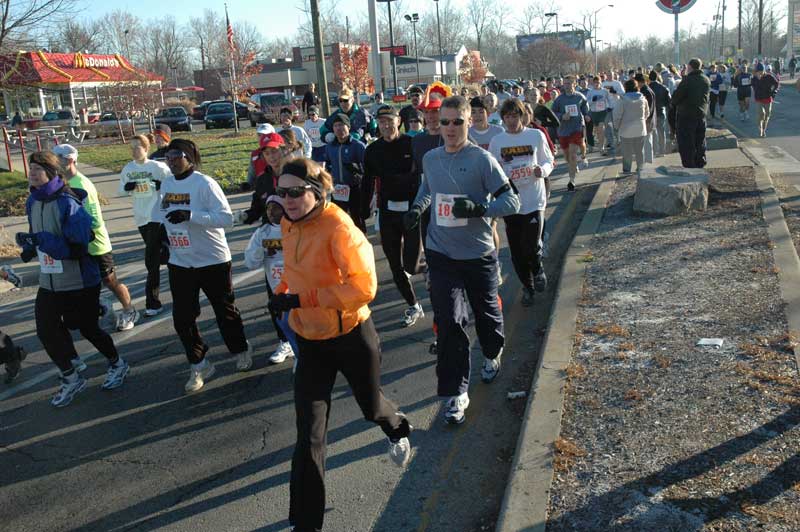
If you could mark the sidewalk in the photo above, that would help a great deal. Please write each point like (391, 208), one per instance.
(654, 286)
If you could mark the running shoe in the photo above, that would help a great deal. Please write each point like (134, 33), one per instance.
(116, 375)
(540, 281)
(244, 360)
(585, 162)
(198, 375)
(70, 387)
(150, 312)
(14, 365)
(491, 367)
(283, 352)
(499, 274)
(433, 349)
(78, 364)
(527, 296)
(11, 276)
(412, 314)
(571, 186)
(127, 319)
(400, 451)
(454, 409)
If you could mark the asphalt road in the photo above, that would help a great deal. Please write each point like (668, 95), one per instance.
(149, 457)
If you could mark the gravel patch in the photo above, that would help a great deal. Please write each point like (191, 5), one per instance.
(659, 434)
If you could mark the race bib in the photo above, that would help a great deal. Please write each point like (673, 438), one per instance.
(397, 206)
(179, 239)
(745, 82)
(713, 77)
(142, 188)
(572, 109)
(48, 264)
(341, 192)
(600, 105)
(314, 133)
(276, 271)
(521, 176)
(444, 210)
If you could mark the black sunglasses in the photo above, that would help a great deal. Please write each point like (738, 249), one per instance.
(292, 192)
(344, 99)
(455, 121)
(172, 155)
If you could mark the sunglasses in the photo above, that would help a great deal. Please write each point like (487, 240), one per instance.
(455, 122)
(344, 100)
(292, 192)
(174, 155)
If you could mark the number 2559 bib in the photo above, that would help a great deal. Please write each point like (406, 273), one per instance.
(444, 210)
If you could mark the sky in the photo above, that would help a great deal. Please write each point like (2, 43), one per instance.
(280, 18)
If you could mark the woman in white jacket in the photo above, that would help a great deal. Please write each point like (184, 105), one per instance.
(630, 118)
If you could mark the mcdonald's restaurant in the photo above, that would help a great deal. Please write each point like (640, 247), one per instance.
(37, 82)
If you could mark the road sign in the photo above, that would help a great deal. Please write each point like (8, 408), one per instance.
(675, 6)
(398, 51)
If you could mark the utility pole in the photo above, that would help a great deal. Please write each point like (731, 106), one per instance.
(722, 35)
(714, 34)
(319, 52)
(739, 41)
(760, 25)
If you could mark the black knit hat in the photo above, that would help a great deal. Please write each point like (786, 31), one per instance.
(189, 148)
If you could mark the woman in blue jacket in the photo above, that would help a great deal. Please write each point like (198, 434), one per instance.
(69, 280)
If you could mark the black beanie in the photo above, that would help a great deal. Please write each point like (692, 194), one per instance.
(189, 148)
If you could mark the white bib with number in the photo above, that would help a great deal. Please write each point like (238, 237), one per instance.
(341, 192)
(142, 188)
(521, 176)
(179, 239)
(397, 206)
(713, 77)
(600, 105)
(572, 109)
(745, 82)
(48, 264)
(313, 133)
(444, 210)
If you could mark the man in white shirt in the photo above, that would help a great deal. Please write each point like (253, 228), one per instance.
(526, 160)
(299, 133)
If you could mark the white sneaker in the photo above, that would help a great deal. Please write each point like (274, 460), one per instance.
(127, 319)
(244, 360)
(150, 312)
(585, 162)
(70, 386)
(454, 409)
(412, 314)
(78, 364)
(499, 274)
(400, 451)
(491, 367)
(116, 375)
(198, 374)
(283, 352)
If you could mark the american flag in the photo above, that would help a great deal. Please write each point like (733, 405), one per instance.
(230, 31)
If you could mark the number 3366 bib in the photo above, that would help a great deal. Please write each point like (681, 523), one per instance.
(444, 210)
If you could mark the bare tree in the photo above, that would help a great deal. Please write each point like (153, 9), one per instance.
(532, 19)
(122, 33)
(481, 14)
(22, 19)
(77, 36)
(207, 34)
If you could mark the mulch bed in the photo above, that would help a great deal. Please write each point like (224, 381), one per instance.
(659, 434)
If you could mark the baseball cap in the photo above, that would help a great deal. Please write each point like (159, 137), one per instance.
(346, 94)
(265, 129)
(271, 140)
(415, 90)
(386, 110)
(313, 109)
(66, 151)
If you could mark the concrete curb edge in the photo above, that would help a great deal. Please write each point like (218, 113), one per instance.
(524, 507)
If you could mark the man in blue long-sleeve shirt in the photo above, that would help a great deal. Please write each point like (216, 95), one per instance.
(465, 188)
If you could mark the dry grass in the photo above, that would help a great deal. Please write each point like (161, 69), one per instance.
(566, 454)
(612, 330)
(662, 361)
(575, 371)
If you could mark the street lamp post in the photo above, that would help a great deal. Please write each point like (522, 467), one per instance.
(442, 69)
(594, 30)
(553, 14)
(392, 56)
(413, 19)
(708, 31)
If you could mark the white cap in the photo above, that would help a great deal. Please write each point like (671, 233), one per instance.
(265, 129)
(67, 151)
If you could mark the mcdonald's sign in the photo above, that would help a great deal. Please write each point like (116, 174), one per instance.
(94, 61)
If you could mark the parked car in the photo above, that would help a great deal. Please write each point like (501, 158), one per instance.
(199, 111)
(364, 99)
(107, 125)
(61, 117)
(268, 106)
(390, 93)
(175, 117)
(220, 114)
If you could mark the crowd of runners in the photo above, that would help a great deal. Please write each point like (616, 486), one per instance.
(436, 174)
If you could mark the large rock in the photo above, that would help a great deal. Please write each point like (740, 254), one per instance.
(671, 190)
(721, 139)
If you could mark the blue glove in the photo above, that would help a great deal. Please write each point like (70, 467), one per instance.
(26, 240)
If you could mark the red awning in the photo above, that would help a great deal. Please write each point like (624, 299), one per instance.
(27, 68)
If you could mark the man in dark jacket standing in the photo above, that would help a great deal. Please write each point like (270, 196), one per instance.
(662, 102)
(690, 100)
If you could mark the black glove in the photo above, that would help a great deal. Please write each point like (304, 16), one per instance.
(466, 208)
(26, 240)
(157, 183)
(412, 217)
(283, 302)
(179, 216)
(130, 185)
(28, 254)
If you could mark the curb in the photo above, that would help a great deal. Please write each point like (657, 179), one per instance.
(527, 495)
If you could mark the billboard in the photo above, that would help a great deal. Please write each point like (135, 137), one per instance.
(573, 39)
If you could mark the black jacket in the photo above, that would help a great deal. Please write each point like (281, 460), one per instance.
(545, 116)
(264, 188)
(691, 97)
(765, 87)
(663, 98)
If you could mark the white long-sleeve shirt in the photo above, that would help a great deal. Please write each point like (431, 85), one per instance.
(311, 128)
(519, 154)
(200, 241)
(301, 135)
(145, 195)
(266, 251)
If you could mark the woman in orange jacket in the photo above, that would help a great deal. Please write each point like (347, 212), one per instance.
(328, 281)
